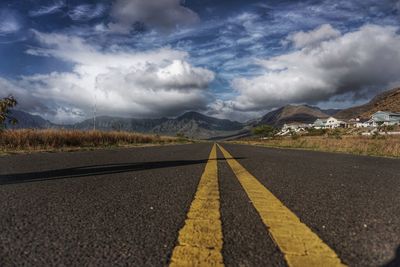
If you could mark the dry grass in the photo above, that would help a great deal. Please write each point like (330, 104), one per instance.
(47, 140)
(387, 146)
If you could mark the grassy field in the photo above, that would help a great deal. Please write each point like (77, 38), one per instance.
(60, 140)
(387, 146)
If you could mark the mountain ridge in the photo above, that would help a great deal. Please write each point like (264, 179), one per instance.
(386, 101)
(292, 113)
(191, 124)
(197, 125)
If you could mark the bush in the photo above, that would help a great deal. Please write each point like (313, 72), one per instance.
(5, 105)
(316, 132)
(335, 134)
(264, 130)
(294, 135)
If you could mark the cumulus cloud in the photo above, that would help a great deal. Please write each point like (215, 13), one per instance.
(122, 82)
(302, 39)
(161, 15)
(360, 62)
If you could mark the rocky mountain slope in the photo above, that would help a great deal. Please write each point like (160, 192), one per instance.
(292, 113)
(386, 101)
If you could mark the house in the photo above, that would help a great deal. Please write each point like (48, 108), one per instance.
(294, 127)
(330, 122)
(386, 118)
(360, 123)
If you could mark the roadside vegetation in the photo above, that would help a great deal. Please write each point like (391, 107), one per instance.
(29, 140)
(5, 108)
(335, 140)
(55, 140)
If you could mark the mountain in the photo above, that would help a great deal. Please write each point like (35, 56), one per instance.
(330, 112)
(386, 101)
(27, 120)
(292, 113)
(107, 123)
(190, 124)
(196, 125)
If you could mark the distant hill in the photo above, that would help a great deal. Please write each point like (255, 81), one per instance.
(27, 120)
(386, 101)
(107, 123)
(292, 113)
(196, 125)
(190, 124)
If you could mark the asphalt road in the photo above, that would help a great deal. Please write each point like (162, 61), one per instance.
(126, 206)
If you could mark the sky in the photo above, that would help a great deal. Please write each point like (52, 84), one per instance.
(65, 59)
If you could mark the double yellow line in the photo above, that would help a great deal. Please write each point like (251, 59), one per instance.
(200, 240)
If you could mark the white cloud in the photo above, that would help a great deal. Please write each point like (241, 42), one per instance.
(302, 39)
(363, 61)
(8, 22)
(55, 7)
(162, 15)
(86, 12)
(123, 82)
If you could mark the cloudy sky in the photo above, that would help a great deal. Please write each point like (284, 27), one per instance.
(227, 58)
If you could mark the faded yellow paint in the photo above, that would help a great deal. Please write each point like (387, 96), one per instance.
(200, 239)
(300, 246)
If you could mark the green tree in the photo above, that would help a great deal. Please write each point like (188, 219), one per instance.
(264, 130)
(5, 108)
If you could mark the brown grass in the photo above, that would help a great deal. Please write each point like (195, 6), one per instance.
(43, 140)
(387, 146)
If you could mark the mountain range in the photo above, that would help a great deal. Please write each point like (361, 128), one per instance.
(190, 124)
(196, 125)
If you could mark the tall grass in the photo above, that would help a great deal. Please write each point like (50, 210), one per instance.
(33, 140)
(388, 146)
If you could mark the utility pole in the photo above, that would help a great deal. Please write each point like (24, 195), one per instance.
(95, 106)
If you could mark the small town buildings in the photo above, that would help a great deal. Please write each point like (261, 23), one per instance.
(294, 127)
(328, 123)
(360, 123)
(386, 118)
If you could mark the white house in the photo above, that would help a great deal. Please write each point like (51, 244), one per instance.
(361, 123)
(386, 118)
(330, 122)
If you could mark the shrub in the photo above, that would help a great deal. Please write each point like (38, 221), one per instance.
(316, 132)
(5, 105)
(336, 133)
(264, 130)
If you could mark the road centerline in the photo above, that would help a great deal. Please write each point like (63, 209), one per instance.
(200, 239)
(300, 246)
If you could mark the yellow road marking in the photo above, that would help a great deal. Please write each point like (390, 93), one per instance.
(300, 246)
(200, 239)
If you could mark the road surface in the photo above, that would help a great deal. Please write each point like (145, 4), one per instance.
(187, 204)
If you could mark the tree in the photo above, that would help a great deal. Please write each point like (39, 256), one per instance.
(5, 105)
(264, 130)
